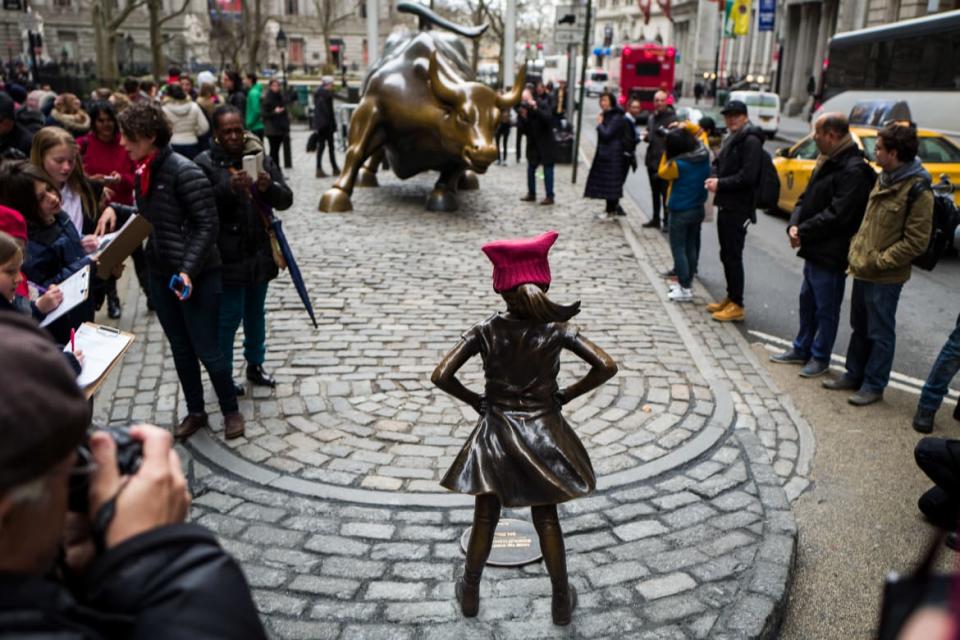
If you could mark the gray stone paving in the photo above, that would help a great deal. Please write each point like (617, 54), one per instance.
(331, 502)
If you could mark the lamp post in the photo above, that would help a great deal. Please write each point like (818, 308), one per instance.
(282, 46)
(128, 40)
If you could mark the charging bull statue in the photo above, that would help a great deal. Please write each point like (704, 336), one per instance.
(423, 111)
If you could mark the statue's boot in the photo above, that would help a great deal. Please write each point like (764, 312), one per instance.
(547, 524)
(486, 514)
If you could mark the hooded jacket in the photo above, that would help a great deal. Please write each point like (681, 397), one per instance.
(275, 124)
(686, 173)
(831, 208)
(738, 170)
(76, 123)
(892, 233)
(243, 241)
(253, 121)
(187, 120)
(609, 166)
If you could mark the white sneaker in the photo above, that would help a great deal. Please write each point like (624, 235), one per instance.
(680, 294)
(602, 216)
(673, 286)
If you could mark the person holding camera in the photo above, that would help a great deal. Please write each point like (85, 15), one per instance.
(127, 567)
(183, 261)
(533, 121)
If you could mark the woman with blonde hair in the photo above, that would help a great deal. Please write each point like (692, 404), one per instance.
(68, 114)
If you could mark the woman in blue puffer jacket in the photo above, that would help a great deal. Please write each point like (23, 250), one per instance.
(686, 164)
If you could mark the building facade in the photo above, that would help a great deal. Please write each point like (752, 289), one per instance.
(68, 33)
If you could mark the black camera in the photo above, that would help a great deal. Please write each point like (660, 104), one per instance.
(129, 458)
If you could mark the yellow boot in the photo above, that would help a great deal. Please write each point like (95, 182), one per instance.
(713, 307)
(731, 313)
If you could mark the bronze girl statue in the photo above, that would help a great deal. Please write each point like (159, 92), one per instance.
(522, 452)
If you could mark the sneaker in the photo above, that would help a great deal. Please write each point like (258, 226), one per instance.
(731, 313)
(814, 369)
(790, 356)
(713, 307)
(602, 216)
(923, 420)
(528, 198)
(843, 383)
(680, 294)
(862, 398)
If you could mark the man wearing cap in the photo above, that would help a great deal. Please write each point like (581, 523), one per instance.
(738, 176)
(135, 568)
(324, 123)
(14, 140)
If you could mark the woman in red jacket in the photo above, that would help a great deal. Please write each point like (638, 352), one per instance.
(106, 162)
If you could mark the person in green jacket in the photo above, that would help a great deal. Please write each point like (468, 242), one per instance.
(254, 121)
(895, 230)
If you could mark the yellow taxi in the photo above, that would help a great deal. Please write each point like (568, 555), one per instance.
(795, 164)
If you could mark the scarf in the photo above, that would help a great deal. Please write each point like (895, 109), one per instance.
(904, 171)
(143, 173)
(842, 145)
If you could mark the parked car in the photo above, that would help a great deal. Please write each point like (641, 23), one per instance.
(762, 107)
(795, 164)
(597, 82)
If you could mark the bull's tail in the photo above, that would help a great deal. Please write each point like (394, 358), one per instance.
(428, 17)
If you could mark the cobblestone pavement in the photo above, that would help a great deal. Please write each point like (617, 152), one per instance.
(331, 501)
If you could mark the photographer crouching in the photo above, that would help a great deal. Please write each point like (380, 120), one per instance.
(126, 566)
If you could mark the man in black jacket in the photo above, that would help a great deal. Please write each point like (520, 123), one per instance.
(663, 114)
(827, 215)
(738, 176)
(135, 570)
(534, 121)
(324, 123)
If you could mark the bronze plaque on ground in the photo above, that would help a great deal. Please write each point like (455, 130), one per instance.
(514, 544)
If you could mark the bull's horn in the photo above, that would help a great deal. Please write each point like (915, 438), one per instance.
(507, 100)
(443, 92)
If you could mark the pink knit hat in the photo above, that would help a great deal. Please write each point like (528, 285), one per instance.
(520, 261)
(12, 222)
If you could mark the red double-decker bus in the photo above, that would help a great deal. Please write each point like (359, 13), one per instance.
(645, 69)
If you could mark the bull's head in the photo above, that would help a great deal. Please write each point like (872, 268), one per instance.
(471, 114)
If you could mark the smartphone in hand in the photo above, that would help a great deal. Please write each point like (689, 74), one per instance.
(179, 287)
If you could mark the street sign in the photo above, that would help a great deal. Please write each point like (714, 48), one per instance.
(13, 5)
(766, 15)
(568, 27)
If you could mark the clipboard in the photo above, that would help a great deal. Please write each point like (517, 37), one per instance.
(115, 250)
(76, 289)
(103, 347)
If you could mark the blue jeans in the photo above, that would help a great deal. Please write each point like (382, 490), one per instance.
(244, 304)
(873, 318)
(946, 366)
(685, 243)
(532, 179)
(821, 297)
(191, 327)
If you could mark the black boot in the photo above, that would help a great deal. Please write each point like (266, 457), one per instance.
(259, 377)
(467, 591)
(486, 514)
(547, 524)
(113, 306)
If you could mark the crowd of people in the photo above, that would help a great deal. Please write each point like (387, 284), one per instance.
(72, 172)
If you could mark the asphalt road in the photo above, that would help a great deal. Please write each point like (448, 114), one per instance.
(928, 306)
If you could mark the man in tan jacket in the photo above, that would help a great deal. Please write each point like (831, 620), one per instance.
(895, 230)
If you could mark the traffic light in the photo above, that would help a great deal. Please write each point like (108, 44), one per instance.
(607, 36)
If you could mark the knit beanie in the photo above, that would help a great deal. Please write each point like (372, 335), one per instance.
(520, 261)
(43, 414)
(12, 222)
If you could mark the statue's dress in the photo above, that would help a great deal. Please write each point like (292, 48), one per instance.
(522, 450)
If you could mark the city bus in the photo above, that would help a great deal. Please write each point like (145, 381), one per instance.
(916, 61)
(645, 69)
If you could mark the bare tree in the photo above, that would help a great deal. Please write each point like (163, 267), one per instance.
(254, 26)
(330, 14)
(154, 10)
(108, 17)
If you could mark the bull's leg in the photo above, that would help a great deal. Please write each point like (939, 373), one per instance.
(468, 181)
(365, 135)
(368, 173)
(444, 194)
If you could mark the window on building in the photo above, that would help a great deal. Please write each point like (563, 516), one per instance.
(297, 48)
(293, 7)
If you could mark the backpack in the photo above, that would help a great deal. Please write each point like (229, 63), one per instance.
(945, 221)
(768, 188)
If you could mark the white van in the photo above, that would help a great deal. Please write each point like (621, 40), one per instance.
(763, 108)
(597, 82)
